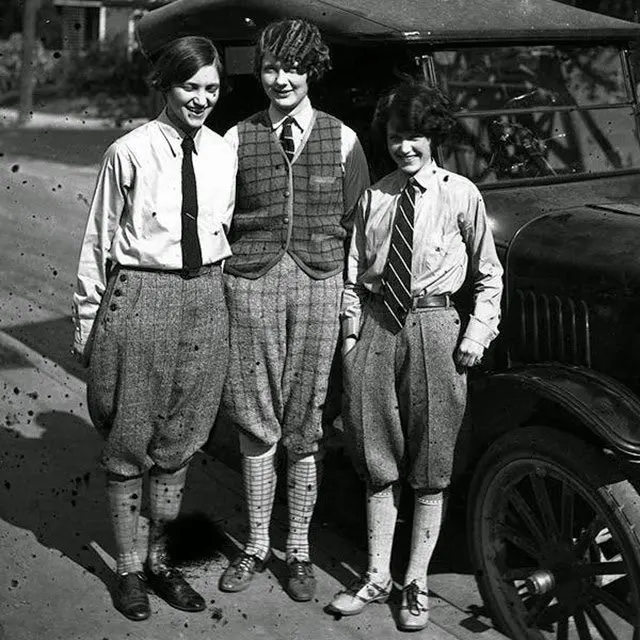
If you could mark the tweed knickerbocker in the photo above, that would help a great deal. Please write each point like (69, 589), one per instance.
(283, 335)
(404, 398)
(157, 367)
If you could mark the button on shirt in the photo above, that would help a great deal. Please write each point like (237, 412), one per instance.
(354, 163)
(450, 228)
(135, 218)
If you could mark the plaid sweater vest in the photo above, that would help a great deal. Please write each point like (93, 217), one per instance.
(281, 207)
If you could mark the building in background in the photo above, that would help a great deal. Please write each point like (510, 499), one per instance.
(88, 23)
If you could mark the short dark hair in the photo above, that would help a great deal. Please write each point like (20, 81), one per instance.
(181, 59)
(418, 107)
(294, 43)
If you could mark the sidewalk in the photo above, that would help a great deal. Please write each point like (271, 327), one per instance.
(56, 554)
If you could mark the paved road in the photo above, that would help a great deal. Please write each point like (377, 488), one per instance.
(55, 551)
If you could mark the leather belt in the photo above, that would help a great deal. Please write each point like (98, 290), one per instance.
(185, 274)
(422, 302)
(188, 274)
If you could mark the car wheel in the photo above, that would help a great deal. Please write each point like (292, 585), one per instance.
(554, 532)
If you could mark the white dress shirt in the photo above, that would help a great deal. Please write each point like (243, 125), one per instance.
(135, 214)
(450, 232)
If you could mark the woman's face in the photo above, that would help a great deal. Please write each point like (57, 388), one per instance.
(410, 150)
(190, 102)
(285, 88)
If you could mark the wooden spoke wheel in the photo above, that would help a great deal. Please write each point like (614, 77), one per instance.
(554, 531)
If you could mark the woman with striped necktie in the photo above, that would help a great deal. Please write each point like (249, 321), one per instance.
(406, 348)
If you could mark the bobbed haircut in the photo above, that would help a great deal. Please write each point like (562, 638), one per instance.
(181, 59)
(295, 43)
(417, 108)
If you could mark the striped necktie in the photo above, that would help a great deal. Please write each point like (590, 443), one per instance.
(190, 244)
(396, 281)
(286, 138)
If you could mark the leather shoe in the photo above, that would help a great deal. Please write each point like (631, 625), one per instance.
(170, 585)
(414, 610)
(130, 596)
(239, 573)
(301, 584)
(362, 592)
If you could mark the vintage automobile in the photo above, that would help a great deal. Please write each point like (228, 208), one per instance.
(548, 128)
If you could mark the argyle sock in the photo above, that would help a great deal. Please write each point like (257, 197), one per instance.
(382, 513)
(427, 520)
(124, 498)
(165, 497)
(302, 493)
(259, 475)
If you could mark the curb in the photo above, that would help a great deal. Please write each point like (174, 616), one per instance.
(41, 364)
(43, 120)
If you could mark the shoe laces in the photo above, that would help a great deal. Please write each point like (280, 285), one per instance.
(365, 582)
(411, 592)
(300, 569)
(245, 563)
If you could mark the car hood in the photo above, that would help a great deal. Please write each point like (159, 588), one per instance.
(589, 248)
(512, 209)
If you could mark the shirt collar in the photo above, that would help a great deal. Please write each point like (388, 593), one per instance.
(426, 174)
(175, 136)
(303, 114)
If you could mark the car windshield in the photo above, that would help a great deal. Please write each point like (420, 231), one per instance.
(538, 112)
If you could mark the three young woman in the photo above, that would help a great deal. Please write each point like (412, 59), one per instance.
(150, 305)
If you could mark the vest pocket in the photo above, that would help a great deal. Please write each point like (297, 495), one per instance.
(324, 189)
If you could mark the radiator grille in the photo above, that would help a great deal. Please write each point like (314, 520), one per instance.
(549, 327)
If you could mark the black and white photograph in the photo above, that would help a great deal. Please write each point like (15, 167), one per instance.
(320, 319)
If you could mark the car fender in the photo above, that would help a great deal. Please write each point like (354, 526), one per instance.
(573, 398)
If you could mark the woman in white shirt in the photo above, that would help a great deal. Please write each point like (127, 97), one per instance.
(150, 315)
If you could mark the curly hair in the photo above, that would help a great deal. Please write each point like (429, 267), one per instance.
(418, 108)
(295, 43)
(181, 59)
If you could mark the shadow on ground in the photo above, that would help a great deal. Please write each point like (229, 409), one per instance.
(56, 490)
(53, 340)
(51, 487)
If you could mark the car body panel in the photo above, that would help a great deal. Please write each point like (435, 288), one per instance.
(428, 21)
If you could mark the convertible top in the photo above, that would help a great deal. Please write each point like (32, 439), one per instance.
(360, 21)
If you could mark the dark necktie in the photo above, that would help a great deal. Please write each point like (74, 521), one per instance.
(396, 281)
(286, 138)
(191, 253)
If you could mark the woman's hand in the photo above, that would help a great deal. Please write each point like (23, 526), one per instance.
(78, 351)
(469, 353)
(348, 344)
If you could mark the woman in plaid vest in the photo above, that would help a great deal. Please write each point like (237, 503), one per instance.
(300, 174)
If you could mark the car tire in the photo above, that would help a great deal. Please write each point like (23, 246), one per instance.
(554, 534)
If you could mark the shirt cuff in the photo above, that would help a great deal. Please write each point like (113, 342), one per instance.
(82, 333)
(350, 327)
(479, 332)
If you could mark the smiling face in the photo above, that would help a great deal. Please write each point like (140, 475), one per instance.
(410, 150)
(189, 103)
(285, 88)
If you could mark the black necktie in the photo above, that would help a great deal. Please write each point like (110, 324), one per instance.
(191, 253)
(396, 282)
(286, 138)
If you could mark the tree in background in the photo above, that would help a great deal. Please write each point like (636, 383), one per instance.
(27, 75)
